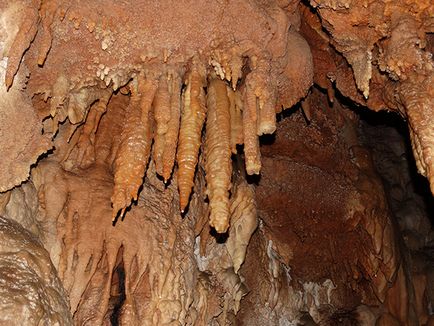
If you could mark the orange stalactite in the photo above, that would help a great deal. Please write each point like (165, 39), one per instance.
(218, 166)
(190, 135)
(162, 117)
(171, 136)
(134, 149)
(236, 113)
(251, 141)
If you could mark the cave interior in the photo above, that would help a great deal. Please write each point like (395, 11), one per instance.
(242, 162)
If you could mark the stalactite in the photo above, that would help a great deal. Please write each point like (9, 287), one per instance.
(162, 117)
(236, 65)
(420, 110)
(305, 105)
(192, 120)
(81, 152)
(48, 10)
(267, 112)
(26, 33)
(133, 153)
(235, 109)
(228, 64)
(218, 166)
(251, 141)
(264, 89)
(171, 137)
(417, 152)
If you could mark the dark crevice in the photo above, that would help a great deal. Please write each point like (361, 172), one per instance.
(117, 291)
(407, 192)
(386, 134)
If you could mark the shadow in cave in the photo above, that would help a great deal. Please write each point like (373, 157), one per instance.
(385, 132)
(407, 192)
(220, 238)
(268, 139)
(41, 157)
(117, 291)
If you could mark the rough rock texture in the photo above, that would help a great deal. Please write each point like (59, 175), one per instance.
(21, 141)
(326, 244)
(378, 54)
(154, 112)
(147, 270)
(409, 197)
(30, 291)
(257, 60)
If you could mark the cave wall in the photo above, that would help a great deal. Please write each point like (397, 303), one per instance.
(132, 152)
(329, 229)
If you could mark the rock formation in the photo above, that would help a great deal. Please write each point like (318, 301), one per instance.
(205, 163)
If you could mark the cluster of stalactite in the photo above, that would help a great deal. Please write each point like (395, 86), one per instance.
(197, 99)
(168, 111)
(214, 97)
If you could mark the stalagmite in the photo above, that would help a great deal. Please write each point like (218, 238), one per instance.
(133, 153)
(171, 136)
(218, 165)
(190, 135)
(162, 117)
(244, 222)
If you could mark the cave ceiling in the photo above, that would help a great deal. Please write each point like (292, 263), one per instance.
(202, 163)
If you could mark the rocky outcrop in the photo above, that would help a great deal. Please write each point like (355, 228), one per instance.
(30, 290)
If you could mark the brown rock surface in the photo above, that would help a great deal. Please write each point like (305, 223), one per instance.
(154, 112)
(30, 291)
(325, 228)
